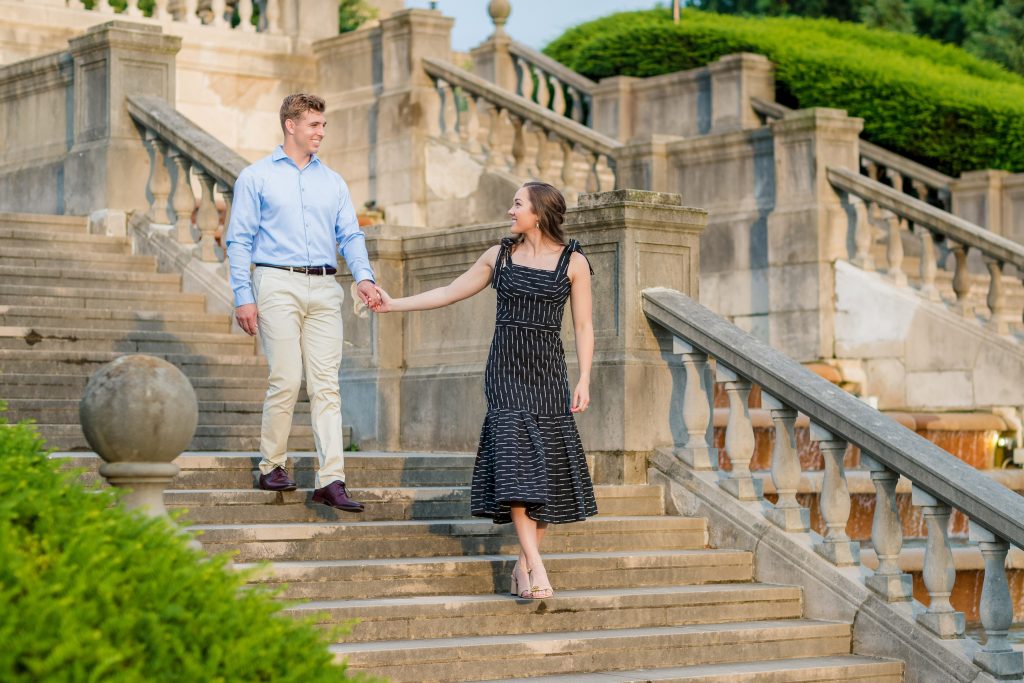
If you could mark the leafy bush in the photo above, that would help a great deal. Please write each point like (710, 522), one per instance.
(90, 592)
(929, 102)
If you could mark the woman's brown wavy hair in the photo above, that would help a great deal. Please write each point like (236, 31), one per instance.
(549, 205)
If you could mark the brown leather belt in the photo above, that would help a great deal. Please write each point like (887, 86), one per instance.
(305, 270)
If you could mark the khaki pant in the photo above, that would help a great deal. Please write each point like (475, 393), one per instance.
(300, 320)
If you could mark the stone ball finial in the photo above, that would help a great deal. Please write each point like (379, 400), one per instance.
(499, 11)
(139, 413)
(139, 409)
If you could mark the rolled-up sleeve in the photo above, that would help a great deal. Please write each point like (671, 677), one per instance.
(351, 240)
(245, 221)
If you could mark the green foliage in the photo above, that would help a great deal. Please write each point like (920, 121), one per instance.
(354, 13)
(1002, 39)
(930, 102)
(93, 593)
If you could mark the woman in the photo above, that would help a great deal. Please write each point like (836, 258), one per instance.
(530, 469)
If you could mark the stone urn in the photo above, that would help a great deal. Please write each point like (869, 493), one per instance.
(139, 413)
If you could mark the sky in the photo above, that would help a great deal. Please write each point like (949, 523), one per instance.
(534, 22)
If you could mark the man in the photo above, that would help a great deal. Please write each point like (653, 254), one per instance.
(290, 218)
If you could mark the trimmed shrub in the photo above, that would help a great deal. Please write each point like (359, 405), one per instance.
(90, 592)
(929, 102)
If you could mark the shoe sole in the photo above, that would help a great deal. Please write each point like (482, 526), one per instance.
(337, 507)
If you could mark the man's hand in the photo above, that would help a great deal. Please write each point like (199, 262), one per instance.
(246, 316)
(369, 294)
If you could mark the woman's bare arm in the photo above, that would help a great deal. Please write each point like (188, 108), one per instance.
(464, 286)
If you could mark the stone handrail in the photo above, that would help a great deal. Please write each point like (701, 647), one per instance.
(877, 203)
(511, 133)
(877, 162)
(214, 13)
(940, 481)
(551, 84)
(181, 149)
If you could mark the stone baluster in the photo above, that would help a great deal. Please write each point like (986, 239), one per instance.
(499, 140)
(557, 96)
(929, 264)
(575, 97)
(449, 112)
(605, 169)
(739, 437)
(886, 535)
(228, 193)
(132, 9)
(183, 201)
(894, 249)
(161, 10)
(697, 452)
(469, 131)
(526, 83)
(961, 279)
(218, 8)
(208, 218)
(786, 513)
(543, 89)
(519, 149)
(920, 189)
(996, 608)
(432, 110)
(939, 571)
(245, 16)
(542, 157)
(863, 235)
(104, 7)
(159, 179)
(190, 11)
(569, 175)
(895, 179)
(834, 501)
(997, 304)
(272, 12)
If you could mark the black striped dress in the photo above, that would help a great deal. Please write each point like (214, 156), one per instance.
(530, 451)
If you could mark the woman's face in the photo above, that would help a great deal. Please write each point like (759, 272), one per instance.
(523, 216)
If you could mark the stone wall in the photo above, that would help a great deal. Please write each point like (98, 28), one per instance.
(991, 199)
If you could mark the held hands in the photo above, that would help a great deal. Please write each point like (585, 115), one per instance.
(385, 302)
(368, 292)
(581, 397)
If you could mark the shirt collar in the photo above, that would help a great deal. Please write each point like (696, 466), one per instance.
(279, 154)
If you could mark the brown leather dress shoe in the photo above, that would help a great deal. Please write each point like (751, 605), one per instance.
(334, 494)
(277, 480)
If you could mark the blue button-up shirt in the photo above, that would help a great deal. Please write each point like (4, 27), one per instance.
(287, 216)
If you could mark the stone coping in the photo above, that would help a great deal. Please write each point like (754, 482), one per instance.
(933, 422)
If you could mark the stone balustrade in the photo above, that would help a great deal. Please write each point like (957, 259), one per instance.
(888, 450)
(212, 13)
(551, 84)
(508, 132)
(875, 203)
(181, 151)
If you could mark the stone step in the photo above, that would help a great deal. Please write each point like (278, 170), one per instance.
(16, 385)
(133, 341)
(479, 658)
(84, 363)
(457, 616)
(430, 538)
(366, 469)
(91, 278)
(45, 223)
(29, 238)
(112, 319)
(241, 506)
(489, 574)
(65, 411)
(834, 669)
(69, 437)
(119, 298)
(69, 259)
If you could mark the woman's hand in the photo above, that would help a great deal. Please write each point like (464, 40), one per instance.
(581, 397)
(385, 302)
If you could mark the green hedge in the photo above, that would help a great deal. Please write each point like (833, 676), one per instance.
(933, 103)
(89, 592)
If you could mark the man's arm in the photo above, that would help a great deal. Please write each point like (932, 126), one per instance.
(352, 247)
(245, 221)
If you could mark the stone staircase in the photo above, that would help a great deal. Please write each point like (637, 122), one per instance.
(71, 301)
(640, 595)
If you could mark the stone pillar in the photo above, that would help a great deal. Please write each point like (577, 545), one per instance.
(807, 229)
(491, 59)
(644, 164)
(634, 240)
(139, 413)
(734, 80)
(612, 108)
(108, 164)
(977, 196)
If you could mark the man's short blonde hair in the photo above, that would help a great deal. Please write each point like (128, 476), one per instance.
(294, 106)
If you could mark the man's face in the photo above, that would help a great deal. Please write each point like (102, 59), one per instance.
(307, 131)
